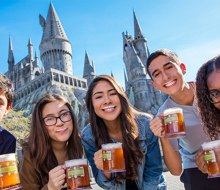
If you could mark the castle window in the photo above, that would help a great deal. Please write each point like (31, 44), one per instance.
(79, 83)
(75, 83)
(61, 79)
(66, 80)
(71, 81)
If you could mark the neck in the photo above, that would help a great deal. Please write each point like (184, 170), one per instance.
(114, 129)
(60, 151)
(185, 96)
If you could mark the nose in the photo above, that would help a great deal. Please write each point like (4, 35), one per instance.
(59, 121)
(165, 76)
(107, 99)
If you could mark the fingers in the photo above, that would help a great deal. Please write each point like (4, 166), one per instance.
(56, 178)
(98, 159)
(156, 127)
(200, 162)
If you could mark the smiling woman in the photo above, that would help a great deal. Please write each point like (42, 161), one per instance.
(54, 138)
(113, 119)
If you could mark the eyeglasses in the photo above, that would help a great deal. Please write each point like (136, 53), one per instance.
(214, 96)
(51, 120)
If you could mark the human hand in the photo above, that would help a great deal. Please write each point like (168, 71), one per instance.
(200, 162)
(56, 178)
(98, 159)
(156, 126)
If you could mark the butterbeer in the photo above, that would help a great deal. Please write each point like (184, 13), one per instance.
(9, 177)
(212, 157)
(113, 157)
(173, 121)
(77, 174)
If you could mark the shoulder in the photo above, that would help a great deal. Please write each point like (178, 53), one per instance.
(6, 134)
(87, 134)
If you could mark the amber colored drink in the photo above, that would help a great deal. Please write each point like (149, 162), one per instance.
(113, 157)
(212, 157)
(77, 174)
(9, 177)
(174, 125)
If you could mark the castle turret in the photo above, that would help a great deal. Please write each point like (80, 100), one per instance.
(89, 71)
(55, 48)
(140, 42)
(30, 51)
(11, 60)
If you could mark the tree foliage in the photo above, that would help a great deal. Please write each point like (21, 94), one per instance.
(17, 124)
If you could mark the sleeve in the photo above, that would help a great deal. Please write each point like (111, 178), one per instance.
(152, 175)
(90, 149)
(29, 177)
(9, 143)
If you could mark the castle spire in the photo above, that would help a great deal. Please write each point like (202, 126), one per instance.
(52, 27)
(30, 50)
(89, 71)
(11, 60)
(137, 29)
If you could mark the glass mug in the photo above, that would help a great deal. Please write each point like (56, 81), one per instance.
(9, 176)
(173, 122)
(212, 157)
(113, 157)
(77, 174)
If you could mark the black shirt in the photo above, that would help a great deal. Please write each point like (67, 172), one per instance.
(7, 142)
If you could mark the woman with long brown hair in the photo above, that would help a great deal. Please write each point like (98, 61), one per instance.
(112, 119)
(54, 138)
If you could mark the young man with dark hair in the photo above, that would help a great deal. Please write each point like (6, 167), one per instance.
(7, 140)
(167, 73)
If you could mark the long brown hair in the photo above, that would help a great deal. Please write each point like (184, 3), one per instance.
(39, 142)
(127, 120)
(209, 113)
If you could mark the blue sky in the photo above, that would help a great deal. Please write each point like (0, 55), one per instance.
(191, 28)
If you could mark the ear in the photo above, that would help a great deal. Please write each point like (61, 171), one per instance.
(8, 108)
(183, 68)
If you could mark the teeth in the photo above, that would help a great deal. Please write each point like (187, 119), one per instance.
(167, 84)
(108, 108)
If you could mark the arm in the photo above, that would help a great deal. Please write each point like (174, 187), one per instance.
(171, 156)
(153, 163)
(30, 178)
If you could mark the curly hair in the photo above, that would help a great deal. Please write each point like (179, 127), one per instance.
(209, 113)
(133, 153)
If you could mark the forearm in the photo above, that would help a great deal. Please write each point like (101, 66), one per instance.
(171, 157)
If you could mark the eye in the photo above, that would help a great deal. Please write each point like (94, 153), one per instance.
(214, 93)
(49, 119)
(65, 114)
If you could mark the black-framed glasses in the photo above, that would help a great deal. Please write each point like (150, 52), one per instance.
(51, 120)
(214, 96)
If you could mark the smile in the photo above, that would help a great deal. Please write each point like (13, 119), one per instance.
(109, 108)
(170, 83)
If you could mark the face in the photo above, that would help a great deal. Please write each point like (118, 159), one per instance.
(167, 75)
(61, 131)
(106, 102)
(3, 105)
(213, 83)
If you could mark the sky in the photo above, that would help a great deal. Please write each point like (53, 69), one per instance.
(190, 28)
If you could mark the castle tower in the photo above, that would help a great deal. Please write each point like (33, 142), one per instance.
(11, 60)
(140, 42)
(89, 71)
(55, 48)
(30, 50)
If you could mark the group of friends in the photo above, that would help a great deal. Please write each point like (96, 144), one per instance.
(55, 136)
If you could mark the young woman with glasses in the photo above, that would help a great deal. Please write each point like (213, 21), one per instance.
(54, 138)
(208, 94)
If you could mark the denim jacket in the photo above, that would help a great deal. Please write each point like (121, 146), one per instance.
(149, 171)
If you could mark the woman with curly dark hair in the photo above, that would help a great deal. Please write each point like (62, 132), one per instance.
(208, 94)
(112, 119)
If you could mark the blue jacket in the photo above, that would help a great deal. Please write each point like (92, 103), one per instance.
(149, 171)
(7, 142)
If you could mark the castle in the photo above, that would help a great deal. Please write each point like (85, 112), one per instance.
(56, 75)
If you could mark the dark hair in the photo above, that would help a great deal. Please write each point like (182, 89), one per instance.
(128, 125)
(39, 143)
(6, 86)
(165, 52)
(209, 113)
